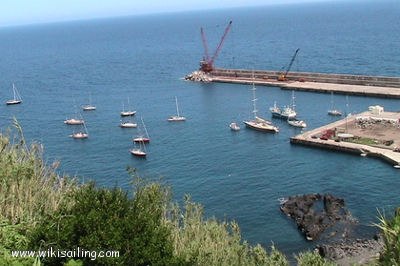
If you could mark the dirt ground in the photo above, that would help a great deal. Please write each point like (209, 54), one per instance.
(383, 128)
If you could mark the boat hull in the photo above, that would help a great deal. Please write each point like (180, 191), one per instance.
(140, 139)
(138, 153)
(176, 119)
(12, 102)
(130, 113)
(261, 127)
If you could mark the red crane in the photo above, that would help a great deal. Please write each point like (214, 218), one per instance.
(207, 64)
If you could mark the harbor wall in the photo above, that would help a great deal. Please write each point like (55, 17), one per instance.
(381, 81)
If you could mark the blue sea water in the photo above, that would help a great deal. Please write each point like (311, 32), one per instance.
(235, 175)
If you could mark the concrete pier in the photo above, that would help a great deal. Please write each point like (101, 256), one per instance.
(375, 86)
(314, 138)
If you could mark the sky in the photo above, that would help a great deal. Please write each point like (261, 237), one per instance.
(20, 12)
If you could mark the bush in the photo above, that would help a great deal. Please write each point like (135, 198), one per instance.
(209, 242)
(391, 237)
(107, 219)
(312, 259)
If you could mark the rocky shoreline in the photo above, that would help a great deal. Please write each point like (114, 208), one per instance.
(324, 217)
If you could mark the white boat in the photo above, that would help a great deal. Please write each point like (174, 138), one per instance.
(74, 121)
(142, 138)
(333, 111)
(177, 117)
(127, 124)
(89, 107)
(139, 151)
(297, 123)
(128, 112)
(286, 112)
(17, 97)
(83, 134)
(234, 126)
(259, 123)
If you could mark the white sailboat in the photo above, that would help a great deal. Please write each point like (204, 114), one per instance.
(142, 138)
(333, 111)
(139, 151)
(17, 97)
(259, 123)
(127, 124)
(177, 117)
(89, 107)
(128, 112)
(82, 134)
(75, 120)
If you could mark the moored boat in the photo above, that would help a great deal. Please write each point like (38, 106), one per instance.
(17, 97)
(259, 123)
(234, 126)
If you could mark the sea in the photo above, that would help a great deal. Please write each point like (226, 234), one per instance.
(239, 176)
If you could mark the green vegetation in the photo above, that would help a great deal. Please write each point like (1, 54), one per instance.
(391, 236)
(40, 209)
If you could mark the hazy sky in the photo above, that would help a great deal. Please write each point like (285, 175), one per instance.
(16, 12)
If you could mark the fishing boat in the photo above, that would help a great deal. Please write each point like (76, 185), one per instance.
(17, 97)
(83, 134)
(177, 117)
(89, 107)
(333, 111)
(234, 126)
(128, 112)
(142, 138)
(297, 123)
(259, 123)
(286, 112)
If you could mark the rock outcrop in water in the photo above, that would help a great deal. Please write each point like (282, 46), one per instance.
(199, 76)
(315, 213)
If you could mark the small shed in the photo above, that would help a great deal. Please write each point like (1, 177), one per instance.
(376, 109)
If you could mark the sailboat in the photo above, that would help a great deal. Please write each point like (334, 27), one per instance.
(333, 111)
(141, 138)
(286, 112)
(127, 113)
(74, 121)
(259, 123)
(127, 124)
(139, 151)
(17, 97)
(89, 107)
(83, 134)
(177, 117)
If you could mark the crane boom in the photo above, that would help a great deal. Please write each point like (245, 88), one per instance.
(203, 38)
(282, 76)
(207, 64)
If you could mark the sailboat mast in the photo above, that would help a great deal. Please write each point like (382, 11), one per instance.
(177, 109)
(254, 101)
(15, 97)
(145, 130)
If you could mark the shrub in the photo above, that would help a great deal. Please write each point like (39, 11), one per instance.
(209, 242)
(107, 219)
(391, 237)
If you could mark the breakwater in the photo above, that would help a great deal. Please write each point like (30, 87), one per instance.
(380, 81)
(373, 86)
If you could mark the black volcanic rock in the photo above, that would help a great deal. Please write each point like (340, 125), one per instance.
(314, 213)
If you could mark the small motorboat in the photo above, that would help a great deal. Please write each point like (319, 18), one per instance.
(234, 126)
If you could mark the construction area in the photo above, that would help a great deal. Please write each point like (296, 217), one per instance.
(374, 86)
(371, 133)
